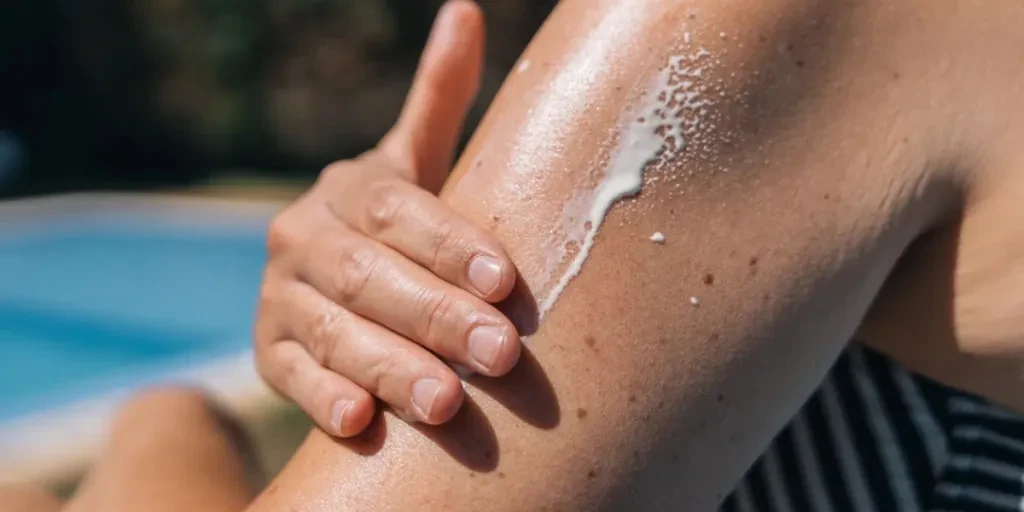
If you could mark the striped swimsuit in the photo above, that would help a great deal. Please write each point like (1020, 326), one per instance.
(875, 437)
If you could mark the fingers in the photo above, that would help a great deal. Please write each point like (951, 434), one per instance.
(421, 228)
(423, 141)
(388, 274)
(377, 283)
(399, 372)
(339, 406)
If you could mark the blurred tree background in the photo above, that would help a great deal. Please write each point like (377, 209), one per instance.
(146, 94)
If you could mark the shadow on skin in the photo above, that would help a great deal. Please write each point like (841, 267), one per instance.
(469, 438)
(525, 391)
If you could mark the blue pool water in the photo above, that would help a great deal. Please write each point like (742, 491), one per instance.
(90, 304)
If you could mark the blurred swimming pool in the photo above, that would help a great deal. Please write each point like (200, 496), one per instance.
(117, 295)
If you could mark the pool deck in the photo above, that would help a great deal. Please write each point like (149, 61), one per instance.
(54, 446)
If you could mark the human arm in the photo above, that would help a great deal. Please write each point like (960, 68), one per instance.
(799, 190)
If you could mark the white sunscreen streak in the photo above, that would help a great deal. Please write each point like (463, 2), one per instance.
(654, 131)
(523, 66)
(658, 237)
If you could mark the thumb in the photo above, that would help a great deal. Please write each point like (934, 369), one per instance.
(423, 141)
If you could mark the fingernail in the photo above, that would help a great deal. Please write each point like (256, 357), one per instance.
(485, 344)
(485, 274)
(338, 411)
(424, 392)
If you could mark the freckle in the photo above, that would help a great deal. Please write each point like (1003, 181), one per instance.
(896, 75)
(632, 399)
(721, 397)
(766, 297)
(761, 38)
(753, 261)
(709, 279)
(636, 454)
(646, 418)
(618, 88)
(581, 413)
(590, 341)
(501, 474)
(472, 475)
(592, 474)
(827, 197)
(789, 48)
(906, 140)
(799, 63)
(713, 337)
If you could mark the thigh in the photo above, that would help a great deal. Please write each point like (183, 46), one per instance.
(170, 450)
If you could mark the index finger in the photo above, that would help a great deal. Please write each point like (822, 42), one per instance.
(418, 225)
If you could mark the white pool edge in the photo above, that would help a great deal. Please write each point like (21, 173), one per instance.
(227, 209)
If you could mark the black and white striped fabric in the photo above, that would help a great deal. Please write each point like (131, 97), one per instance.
(875, 437)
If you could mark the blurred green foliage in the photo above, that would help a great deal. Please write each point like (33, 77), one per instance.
(149, 93)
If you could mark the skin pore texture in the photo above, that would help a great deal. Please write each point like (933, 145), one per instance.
(794, 169)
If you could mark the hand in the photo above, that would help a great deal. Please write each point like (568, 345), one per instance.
(370, 275)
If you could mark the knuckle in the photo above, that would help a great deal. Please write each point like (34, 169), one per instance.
(444, 244)
(282, 371)
(289, 370)
(327, 326)
(436, 308)
(354, 271)
(380, 372)
(282, 234)
(384, 205)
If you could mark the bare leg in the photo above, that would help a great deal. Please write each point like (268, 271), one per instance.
(28, 499)
(170, 450)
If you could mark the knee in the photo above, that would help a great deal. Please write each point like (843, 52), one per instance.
(161, 415)
(28, 499)
(162, 408)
